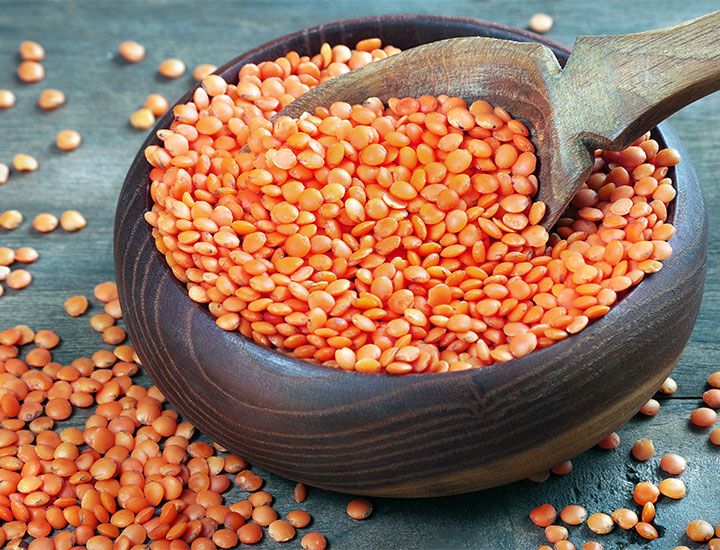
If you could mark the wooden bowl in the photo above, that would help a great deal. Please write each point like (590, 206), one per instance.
(414, 435)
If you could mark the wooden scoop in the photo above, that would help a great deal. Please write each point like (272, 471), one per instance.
(612, 90)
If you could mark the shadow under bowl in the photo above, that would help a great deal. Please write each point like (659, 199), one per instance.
(414, 435)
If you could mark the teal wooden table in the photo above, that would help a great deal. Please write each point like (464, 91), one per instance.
(81, 40)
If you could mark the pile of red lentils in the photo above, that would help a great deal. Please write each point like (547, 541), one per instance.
(396, 239)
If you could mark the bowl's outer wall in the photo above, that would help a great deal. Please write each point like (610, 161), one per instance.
(418, 435)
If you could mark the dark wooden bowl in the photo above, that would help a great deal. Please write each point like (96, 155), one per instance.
(415, 435)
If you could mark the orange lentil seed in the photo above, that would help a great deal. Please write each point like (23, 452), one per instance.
(68, 140)
(643, 449)
(359, 508)
(172, 68)
(25, 163)
(132, 51)
(51, 99)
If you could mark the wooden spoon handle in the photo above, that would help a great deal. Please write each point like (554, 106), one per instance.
(616, 88)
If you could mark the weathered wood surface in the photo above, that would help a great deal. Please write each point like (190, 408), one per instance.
(81, 40)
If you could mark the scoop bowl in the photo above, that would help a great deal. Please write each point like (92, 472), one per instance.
(414, 435)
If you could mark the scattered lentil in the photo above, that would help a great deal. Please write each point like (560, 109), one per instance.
(31, 71)
(643, 449)
(543, 515)
(703, 417)
(157, 104)
(68, 140)
(26, 255)
(11, 219)
(359, 508)
(72, 220)
(172, 68)
(300, 492)
(51, 99)
(669, 386)
(281, 530)
(646, 530)
(4, 172)
(19, 278)
(624, 518)
(700, 530)
(132, 51)
(45, 223)
(672, 488)
(555, 533)
(7, 99)
(142, 119)
(610, 442)
(651, 408)
(673, 464)
(645, 492)
(541, 23)
(314, 541)
(573, 514)
(24, 163)
(600, 523)
(715, 436)
(31, 51)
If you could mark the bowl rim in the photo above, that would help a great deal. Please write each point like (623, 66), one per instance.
(290, 365)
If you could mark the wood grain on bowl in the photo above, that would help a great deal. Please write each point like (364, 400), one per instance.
(417, 435)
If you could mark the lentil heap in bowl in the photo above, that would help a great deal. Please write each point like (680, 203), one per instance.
(414, 435)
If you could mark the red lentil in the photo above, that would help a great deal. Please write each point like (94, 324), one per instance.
(76, 305)
(7, 99)
(132, 51)
(142, 119)
(172, 68)
(703, 417)
(600, 523)
(68, 140)
(30, 71)
(645, 492)
(51, 99)
(45, 223)
(669, 386)
(314, 541)
(673, 464)
(610, 442)
(715, 436)
(24, 163)
(543, 515)
(555, 533)
(643, 449)
(359, 508)
(540, 23)
(11, 219)
(672, 488)
(573, 514)
(648, 512)
(700, 530)
(646, 530)
(157, 104)
(624, 518)
(281, 530)
(651, 408)
(31, 51)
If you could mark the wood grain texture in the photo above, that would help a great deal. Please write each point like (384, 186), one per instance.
(439, 434)
(81, 40)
